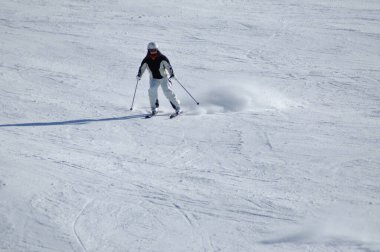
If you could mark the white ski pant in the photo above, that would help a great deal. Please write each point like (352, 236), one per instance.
(166, 88)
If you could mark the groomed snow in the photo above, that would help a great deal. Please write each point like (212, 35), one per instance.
(281, 155)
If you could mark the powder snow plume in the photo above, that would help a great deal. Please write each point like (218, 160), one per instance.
(241, 96)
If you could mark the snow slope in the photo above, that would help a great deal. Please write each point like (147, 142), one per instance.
(281, 155)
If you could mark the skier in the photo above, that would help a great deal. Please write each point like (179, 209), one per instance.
(159, 67)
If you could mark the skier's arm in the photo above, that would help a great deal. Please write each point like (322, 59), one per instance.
(168, 67)
(142, 69)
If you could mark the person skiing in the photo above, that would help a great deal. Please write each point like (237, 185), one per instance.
(159, 68)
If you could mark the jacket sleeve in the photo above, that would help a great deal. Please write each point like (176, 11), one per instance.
(142, 68)
(168, 67)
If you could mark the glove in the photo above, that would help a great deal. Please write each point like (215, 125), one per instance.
(138, 77)
(171, 76)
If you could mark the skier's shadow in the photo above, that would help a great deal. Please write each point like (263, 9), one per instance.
(72, 122)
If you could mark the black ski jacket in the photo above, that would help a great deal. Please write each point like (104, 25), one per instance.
(158, 67)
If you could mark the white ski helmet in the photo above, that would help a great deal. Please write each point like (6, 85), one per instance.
(152, 46)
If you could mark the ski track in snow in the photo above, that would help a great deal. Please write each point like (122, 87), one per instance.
(76, 222)
(281, 155)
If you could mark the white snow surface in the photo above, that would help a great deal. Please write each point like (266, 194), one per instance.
(282, 154)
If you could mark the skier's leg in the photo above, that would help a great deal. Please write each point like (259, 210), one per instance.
(154, 84)
(168, 92)
(157, 103)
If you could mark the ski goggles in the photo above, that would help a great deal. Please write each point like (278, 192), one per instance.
(152, 51)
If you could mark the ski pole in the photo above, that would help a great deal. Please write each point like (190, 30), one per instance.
(134, 95)
(186, 90)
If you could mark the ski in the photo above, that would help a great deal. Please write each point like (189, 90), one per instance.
(149, 116)
(175, 115)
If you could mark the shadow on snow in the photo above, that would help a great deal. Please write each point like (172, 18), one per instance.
(72, 122)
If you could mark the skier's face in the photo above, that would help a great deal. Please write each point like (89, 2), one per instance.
(152, 51)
